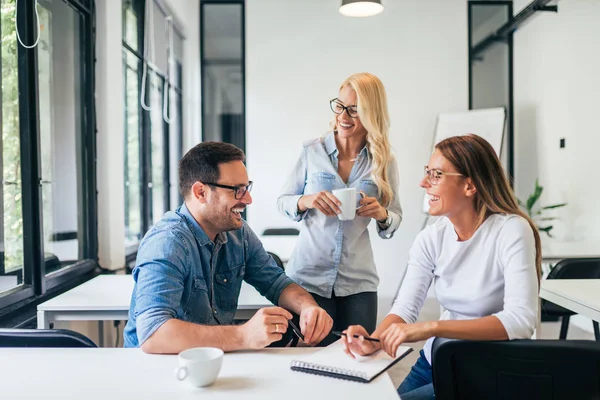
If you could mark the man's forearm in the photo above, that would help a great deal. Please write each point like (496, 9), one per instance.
(295, 298)
(175, 336)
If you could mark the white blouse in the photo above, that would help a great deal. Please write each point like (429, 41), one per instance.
(492, 273)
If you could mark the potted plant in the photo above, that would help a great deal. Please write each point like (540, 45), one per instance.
(536, 213)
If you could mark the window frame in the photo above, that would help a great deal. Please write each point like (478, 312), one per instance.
(473, 57)
(145, 126)
(37, 286)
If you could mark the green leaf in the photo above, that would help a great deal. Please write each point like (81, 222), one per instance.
(546, 229)
(534, 197)
(547, 219)
(554, 206)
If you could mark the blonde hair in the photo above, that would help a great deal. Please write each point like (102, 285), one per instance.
(475, 158)
(373, 114)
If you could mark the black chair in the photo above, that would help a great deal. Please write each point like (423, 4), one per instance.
(277, 259)
(572, 268)
(516, 370)
(281, 232)
(43, 338)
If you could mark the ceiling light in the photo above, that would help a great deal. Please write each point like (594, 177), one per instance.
(360, 8)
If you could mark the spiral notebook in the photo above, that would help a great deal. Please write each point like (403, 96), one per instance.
(333, 362)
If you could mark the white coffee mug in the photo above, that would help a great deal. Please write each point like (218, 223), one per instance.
(199, 366)
(347, 197)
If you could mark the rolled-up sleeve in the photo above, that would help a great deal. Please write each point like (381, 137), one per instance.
(419, 274)
(293, 189)
(517, 251)
(159, 275)
(394, 209)
(262, 271)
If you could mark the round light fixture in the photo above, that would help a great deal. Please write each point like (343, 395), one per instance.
(360, 8)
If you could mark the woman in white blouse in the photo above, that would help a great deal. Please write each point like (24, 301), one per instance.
(483, 256)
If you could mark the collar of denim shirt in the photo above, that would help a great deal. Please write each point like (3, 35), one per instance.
(331, 147)
(197, 230)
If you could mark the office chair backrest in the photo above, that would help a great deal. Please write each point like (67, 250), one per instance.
(517, 370)
(576, 268)
(277, 259)
(281, 232)
(43, 338)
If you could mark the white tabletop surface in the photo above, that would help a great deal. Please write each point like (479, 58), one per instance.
(579, 295)
(108, 373)
(113, 293)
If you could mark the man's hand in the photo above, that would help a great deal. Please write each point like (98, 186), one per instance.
(266, 326)
(315, 324)
(358, 346)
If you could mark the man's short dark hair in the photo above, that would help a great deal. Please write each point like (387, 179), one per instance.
(201, 163)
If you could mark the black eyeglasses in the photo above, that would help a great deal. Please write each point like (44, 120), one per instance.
(238, 191)
(338, 108)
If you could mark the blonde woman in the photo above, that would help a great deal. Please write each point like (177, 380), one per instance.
(333, 259)
(483, 256)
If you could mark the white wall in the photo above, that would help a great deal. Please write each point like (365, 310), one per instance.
(298, 53)
(557, 95)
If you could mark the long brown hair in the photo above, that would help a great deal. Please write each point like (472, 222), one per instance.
(373, 114)
(475, 158)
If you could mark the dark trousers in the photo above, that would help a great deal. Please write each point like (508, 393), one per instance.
(356, 309)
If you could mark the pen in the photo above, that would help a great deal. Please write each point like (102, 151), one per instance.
(338, 333)
(296, 329)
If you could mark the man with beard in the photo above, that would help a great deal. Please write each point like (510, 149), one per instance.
(190, 266)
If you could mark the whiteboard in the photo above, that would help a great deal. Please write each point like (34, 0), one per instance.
(489, 123)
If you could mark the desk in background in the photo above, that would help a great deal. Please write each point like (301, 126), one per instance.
(578, 295)
(107, 298)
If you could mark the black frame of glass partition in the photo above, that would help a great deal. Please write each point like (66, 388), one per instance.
(204, 63)
(510, 106)
(36, 285)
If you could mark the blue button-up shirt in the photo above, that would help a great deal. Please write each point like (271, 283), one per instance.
(333, 255)
(180, 273)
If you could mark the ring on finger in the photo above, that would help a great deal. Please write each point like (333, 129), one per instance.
(276, 328)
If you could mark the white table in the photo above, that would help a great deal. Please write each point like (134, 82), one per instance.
(282, 245)
(578, 295)
(101, 374)
(107, 298)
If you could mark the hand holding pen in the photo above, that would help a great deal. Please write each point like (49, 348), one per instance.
(356, 341)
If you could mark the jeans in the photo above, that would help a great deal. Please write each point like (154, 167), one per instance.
(418, 384)
(356, 309)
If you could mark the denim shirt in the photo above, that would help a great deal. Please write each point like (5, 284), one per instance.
(180, 273)
(333, 256)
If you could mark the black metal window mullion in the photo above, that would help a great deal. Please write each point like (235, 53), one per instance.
(33, 243)
(166, 177)
(87, 178)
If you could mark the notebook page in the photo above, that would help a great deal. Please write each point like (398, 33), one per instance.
(334, 356)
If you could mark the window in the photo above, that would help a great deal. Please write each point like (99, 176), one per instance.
(223, 72)
(490, 65)
(152, 57)
(48, 232)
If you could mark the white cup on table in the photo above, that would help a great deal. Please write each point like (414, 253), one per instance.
(199, 366)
